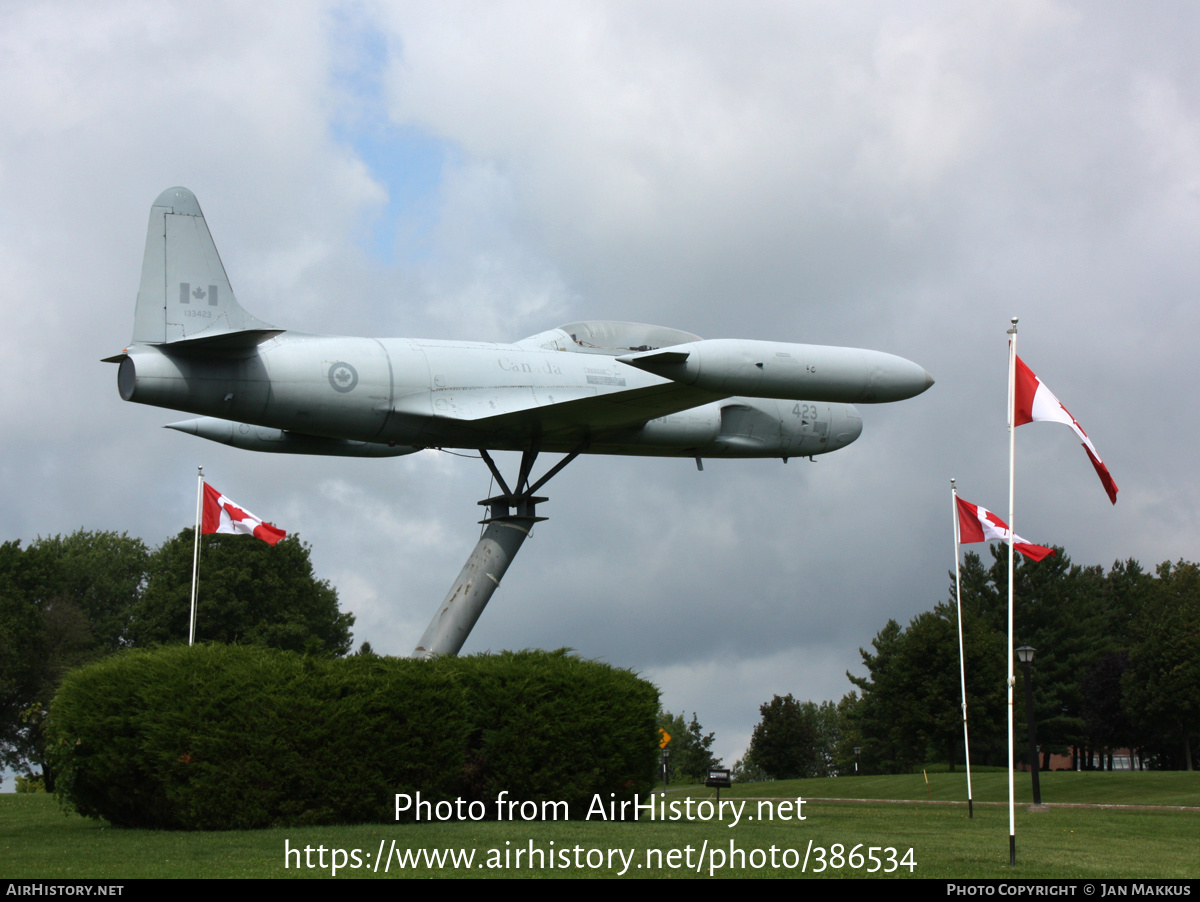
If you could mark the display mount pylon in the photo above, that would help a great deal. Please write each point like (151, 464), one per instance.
(511, 516)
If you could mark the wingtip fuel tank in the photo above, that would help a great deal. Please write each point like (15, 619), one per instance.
(770, 369)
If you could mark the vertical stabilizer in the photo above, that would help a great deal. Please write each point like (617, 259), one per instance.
(184, 293)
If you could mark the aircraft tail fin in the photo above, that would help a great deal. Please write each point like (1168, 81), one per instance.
(184, 294)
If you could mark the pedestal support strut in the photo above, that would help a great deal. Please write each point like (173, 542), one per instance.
(511, 516)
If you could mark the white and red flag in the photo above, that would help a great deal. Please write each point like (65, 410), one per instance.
(224, 516)
(1036, 402)
(978, 524)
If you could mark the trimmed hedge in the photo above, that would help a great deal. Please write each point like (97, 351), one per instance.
(553, 727)
(234, 737)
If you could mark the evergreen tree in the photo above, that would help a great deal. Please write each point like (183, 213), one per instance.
(784, 744)
(910, 711)
(690, 747)
(827, 744)
(1058, 612)
(1162, 684)
(1106, 723)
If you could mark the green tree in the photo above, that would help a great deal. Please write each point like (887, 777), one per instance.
(1074, 616)
(1058, 612)
(746, 771)
(872, 715)
(827, 747)
(1107, 724)
(1123, 598)
(980, 596)
(1065, 612)
(910, 710)
(784, 744)
(822, 730)
(22, 644)
(249, 593)
(64, 601)
(100, 574)
(690, 747)
(1162, 682)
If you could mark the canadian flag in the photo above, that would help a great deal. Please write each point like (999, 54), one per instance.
(1036, 402)
(978, 524)
(224, 516)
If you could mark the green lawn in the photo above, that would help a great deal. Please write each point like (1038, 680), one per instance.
(38, 840)
(1060, 787)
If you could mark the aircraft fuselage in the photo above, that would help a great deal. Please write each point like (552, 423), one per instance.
(595, 387)
(399, 395)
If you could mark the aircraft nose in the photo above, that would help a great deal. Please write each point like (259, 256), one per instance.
(895, 379)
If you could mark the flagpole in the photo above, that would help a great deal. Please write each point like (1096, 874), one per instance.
(196, 552)
(1012, 531)
(962, 665)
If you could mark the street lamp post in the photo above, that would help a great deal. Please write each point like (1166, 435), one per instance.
(1025, 656)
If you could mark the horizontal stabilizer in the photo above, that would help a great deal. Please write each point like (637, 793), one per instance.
(225, 341)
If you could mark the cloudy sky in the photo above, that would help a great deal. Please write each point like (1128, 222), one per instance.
(901, 176)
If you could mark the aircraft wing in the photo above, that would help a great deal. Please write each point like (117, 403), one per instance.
(599, 397)
(564, 413)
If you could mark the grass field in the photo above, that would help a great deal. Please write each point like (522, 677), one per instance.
(1160, 838)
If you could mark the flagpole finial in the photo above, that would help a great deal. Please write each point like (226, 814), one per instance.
(1013, 330)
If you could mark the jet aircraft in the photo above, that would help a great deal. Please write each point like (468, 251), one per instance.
(594, 387)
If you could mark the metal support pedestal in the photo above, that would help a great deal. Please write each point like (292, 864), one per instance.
(511, 516)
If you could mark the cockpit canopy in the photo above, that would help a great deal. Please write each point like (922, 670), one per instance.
(621, 338)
